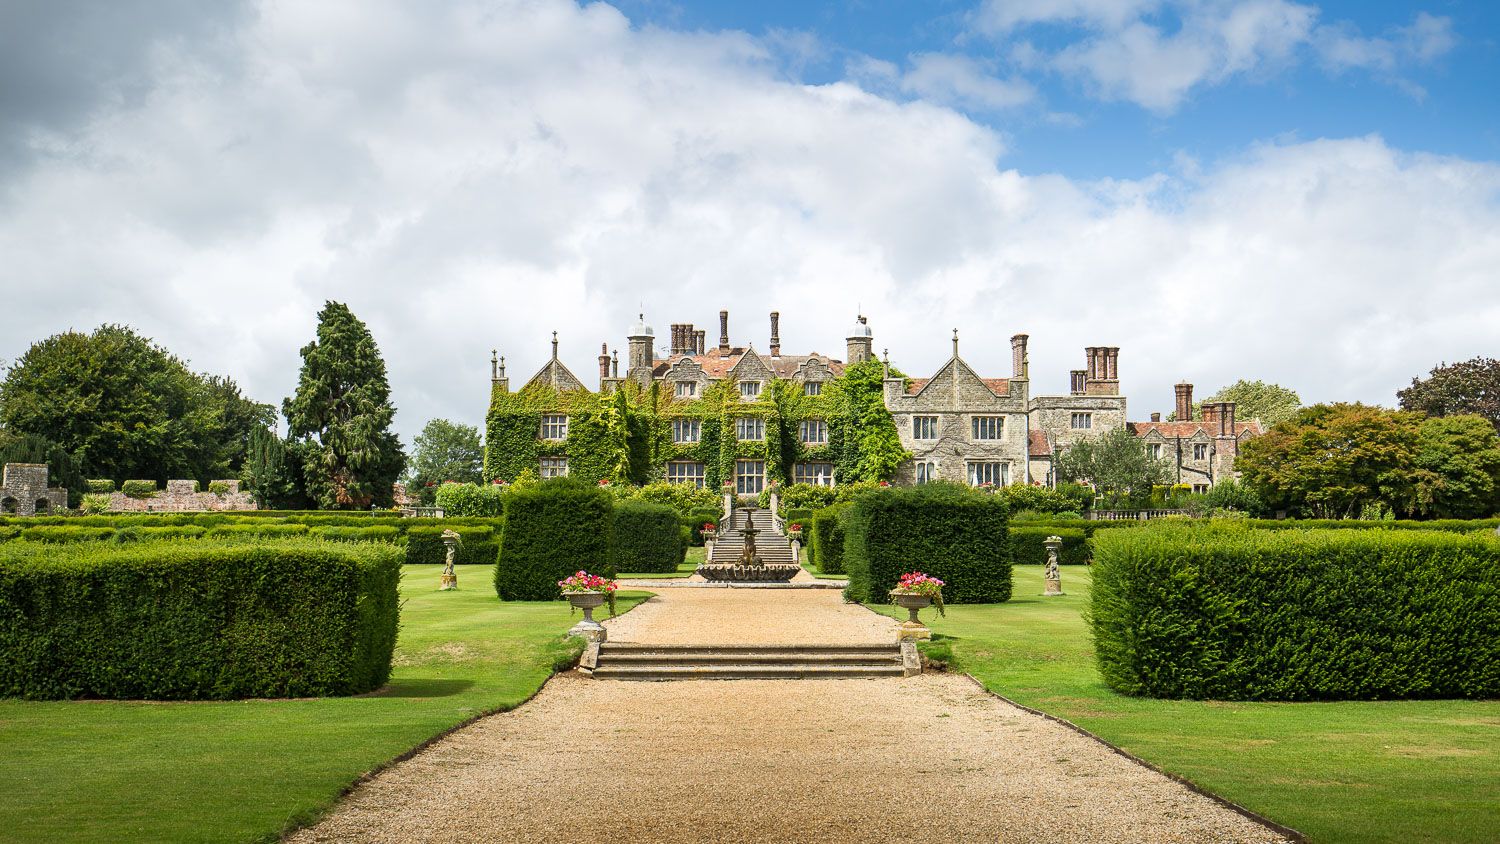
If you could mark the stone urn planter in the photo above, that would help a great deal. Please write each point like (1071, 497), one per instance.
(913, 628)
(588, 602)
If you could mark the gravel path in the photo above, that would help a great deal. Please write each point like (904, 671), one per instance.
(930, 758)
(751, 617)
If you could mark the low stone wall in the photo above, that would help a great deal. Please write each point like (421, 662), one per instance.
(180, 497)
(24, 492)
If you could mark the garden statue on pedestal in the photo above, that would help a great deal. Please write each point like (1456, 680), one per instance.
(451, 543)
(1053, 576)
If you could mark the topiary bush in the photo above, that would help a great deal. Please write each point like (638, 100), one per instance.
(139, 489)
(1030, 545)
(219, 488)
(552, 530)
(479, 545)
(210, 620)
(952, 532)
(826, 541)
(648, 538)
(1229, 613)
(371, 533)
(700, 517)
(101, 485)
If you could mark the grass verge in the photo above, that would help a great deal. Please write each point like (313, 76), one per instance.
(81, 771)
(1356, 771)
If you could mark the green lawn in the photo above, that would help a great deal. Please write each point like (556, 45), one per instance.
(112, 771)
(695, 557)
(1395, 771)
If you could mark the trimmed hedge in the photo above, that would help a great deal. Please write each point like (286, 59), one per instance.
(1030, 544)
(211, 620)
(66, 533)
(826, 543)
(552, 530)
(648, 537)
(1235, 614)
(218, 531)
(139, 489)
(477, 546)
(101, 485)
(957, 534)
(372, 533)
(697, 519)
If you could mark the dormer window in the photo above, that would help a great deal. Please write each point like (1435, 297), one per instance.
(687, 389)
(749, 389)
(812, 388)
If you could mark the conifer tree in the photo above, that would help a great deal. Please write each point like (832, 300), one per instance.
(342, 411)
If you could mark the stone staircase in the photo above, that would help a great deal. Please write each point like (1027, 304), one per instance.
(770, 545)
(628, 661)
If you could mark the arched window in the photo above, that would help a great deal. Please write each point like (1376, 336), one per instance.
(9, 505)
(43, 507)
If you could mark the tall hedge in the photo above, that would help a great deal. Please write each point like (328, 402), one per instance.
(214, 619)
(478, 546)
(826, 539)
(1235, 614)
(552, 530)
(951, 532)
(648, 538)
(1030, 545)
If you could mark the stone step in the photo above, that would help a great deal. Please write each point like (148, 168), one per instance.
(645, 661)
(745, 672)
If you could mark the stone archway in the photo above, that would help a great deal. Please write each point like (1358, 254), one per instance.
(43, 507)
(9, 506)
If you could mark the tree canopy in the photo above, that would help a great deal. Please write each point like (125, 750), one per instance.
(126, 408)
(1116, 464)
(445, 451)
(1452, 390)
(343, 406)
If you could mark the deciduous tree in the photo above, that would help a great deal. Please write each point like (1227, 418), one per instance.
(1451, 390)
(343, 407)
(1116, 464)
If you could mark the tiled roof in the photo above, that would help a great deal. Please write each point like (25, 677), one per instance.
(1187, 429)
(1038, 443)
(718, 366)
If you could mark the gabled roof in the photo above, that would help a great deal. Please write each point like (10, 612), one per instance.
(718, 366)
(998, 386)
(1188, 429)
(555, 375)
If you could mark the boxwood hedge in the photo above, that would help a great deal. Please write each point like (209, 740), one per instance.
(648, 537)
(214, 619)
(826, 545)
(552, 530)
(957, 534)
(1030, 545)
(478, 546)
(1236, 614)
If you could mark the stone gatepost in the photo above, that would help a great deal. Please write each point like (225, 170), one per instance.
(728, 503)
(775, 503)
(1053, 575)
(797, 551)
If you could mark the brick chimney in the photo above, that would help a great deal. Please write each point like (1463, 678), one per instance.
(1079, 379)
(1184, 402)
(1156, 417)
(603, 361)
(698, 338)
(775, 334)
(724, 332)
(1018, 365)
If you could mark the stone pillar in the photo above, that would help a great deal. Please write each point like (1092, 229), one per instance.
(728, 505)
(797, 551)
(776, 503)
(911, 658)
(1053, 575)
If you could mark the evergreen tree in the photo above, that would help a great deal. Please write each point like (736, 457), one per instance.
(275, 471)
(342, 409)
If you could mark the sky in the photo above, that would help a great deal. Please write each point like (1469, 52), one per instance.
(1300, 193)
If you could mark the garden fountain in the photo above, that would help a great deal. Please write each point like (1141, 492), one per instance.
(751, 564)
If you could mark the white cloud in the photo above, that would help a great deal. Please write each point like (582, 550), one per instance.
(963, 81)
(1156, 52)
(469, 177)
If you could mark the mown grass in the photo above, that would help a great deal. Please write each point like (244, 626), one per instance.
(695, 557)
(1358, 771)
(112, 771)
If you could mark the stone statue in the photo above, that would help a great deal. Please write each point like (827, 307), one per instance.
(1053, 575)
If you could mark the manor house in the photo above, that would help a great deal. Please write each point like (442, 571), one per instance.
(958, 424)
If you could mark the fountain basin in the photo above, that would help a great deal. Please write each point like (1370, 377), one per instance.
(768, 573)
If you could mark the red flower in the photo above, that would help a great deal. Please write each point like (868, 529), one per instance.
(883, 483)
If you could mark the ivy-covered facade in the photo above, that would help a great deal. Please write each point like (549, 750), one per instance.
(726, 415)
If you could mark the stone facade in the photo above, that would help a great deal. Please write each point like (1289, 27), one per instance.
(24, 491)
(1201, 451)
(958, 424)
(182, 497)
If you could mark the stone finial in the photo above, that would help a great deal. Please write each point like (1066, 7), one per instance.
(494, 365)
(554, 345)
(955, 342)
(885, 364)
(502, 366)
(615, 363)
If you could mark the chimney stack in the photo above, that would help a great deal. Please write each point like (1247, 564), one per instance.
(603, 361)
(1018, 355)
(698, 339)
(1184, 402)
(724, 332)
(1156, 417)
(775, 334)
(1080, 381)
